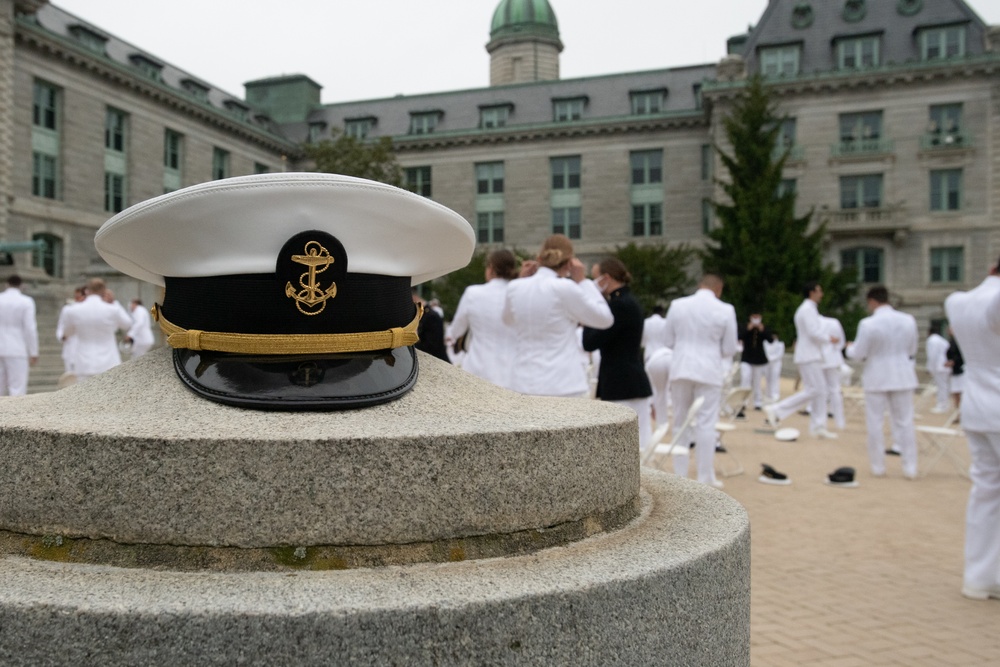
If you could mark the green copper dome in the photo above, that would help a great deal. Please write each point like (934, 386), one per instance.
(519, 18)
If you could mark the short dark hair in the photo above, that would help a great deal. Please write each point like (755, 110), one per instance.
(659, 310)
(878, 294)
(14, 280)
(808, 288)
(504, 264)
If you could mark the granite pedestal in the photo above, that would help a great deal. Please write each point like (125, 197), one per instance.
(460, 525)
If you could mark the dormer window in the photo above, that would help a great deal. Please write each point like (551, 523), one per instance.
(802, 15)
(238, 109)
(858, 52)
(780, 60)
(568, 109)
(93, 41)
(316, 132)
(646, 102)
(196, 90)
(359, 128)
(909, 7)
(494, 115)
(149, 68)
(424, 122)
(942, 43)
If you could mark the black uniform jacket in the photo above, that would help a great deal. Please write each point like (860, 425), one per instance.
(622, 375)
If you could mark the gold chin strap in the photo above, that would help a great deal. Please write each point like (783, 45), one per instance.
(368, 341)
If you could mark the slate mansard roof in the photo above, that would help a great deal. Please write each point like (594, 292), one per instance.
(817, 24)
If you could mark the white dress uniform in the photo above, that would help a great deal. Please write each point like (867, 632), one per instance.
(975, 319)
(936, 348)
(887, 342)
(544, 311)
(94, 322)
(775, 356)
(701, 330)
(811, 335)
(833, 360)
(18, 341)
(141, 332)
(490, 348)
(69, 343)
(656, 359)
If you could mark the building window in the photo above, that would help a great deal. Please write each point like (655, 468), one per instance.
(946, 189)
(489, 202)
(114, 192)
(45, 109)
(44, 176)
(861, 134)
(647, 167)
(172, 146)
(237, 109)
(220, 164)
(707, 215)
(489, 227)
(648, 102)
(786, 186)
(858, 52)
(566, 221)
(861, 191)
(696, 90)
(424, 122)
(89, 39)
(568, 110)
(418, 179)
(780, 60)
(868, 262)
(195, 89)
(647, 220)
(149, 68)
(49, 256)
(114, 131)
(947, 264)
(942, 43)
(261, 168)
(566, 173)
(316, 132)
(854, 10)
(706, 162)
(493, 117)
(489, 178)
(358, 128)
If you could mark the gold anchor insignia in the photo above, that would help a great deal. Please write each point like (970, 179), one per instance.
(318, 259)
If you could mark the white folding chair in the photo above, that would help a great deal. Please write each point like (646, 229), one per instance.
(735, 402)
(680, 441)
(940, 441)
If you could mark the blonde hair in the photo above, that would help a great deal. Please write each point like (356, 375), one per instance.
(556, 251)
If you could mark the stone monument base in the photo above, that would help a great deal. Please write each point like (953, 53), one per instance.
(671, 587)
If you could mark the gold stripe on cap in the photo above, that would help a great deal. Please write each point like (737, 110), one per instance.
(368, 341)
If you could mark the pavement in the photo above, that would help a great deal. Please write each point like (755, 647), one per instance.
(845, 577)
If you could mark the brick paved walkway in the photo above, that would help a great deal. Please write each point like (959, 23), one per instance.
(856, 577)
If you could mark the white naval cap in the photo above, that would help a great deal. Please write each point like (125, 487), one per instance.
(289, 291)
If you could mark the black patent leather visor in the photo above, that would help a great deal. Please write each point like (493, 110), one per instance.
(304, 382)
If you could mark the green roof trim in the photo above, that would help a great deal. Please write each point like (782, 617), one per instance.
(524, 17)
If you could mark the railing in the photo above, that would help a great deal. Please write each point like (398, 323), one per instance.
(796, 152)
(875, 220)
(943, 140)
(861, 147)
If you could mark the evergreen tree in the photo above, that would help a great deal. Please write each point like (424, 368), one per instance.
(763, 251)
(659, 272)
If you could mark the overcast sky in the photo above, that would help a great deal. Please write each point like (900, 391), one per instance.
(380, 48)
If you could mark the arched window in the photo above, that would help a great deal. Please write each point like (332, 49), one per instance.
(50, 257)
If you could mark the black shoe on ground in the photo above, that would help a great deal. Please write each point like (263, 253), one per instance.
(892, 452)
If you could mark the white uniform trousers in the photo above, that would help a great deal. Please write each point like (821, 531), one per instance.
(13, 376)
(834, 397)
(658, 372)
(774, 380)
(813, 394)
(683, 393)
(641, 407)
(942, 382)
(753, 376)
(142, 348)
(982, 517)
(904, 436)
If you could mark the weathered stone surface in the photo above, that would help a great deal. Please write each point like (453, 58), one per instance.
(134, 457)
(671, 588)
